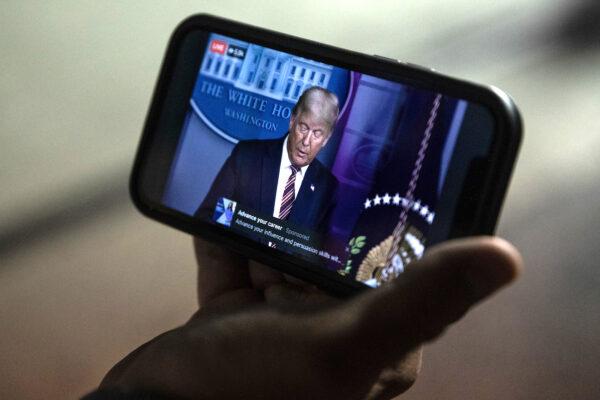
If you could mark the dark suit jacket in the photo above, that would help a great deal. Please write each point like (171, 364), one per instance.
(249, 176)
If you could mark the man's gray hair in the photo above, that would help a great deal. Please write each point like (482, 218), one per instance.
(320, 102)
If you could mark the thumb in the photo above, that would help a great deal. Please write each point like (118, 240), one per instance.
(437, 291)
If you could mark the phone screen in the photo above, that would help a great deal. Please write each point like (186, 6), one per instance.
(354, 173)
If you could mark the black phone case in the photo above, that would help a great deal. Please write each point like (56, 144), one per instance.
(481, 197)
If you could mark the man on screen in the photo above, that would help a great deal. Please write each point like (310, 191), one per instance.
(282, 177)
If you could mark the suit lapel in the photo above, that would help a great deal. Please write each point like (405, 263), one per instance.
(303, 210)
(269, 175)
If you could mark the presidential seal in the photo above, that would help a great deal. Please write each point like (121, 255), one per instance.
(373, 270)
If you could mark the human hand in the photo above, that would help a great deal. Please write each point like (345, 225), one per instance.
(258, 336)
(228, 282)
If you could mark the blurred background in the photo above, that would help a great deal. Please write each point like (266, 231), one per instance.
(84, 278)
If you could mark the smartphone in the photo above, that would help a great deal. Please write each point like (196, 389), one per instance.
(332, 166)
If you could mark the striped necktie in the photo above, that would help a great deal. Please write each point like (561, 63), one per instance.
(289, 194)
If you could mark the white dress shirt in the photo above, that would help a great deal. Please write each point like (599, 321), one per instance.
(285, 170)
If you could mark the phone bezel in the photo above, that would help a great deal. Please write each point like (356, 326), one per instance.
(486, 205)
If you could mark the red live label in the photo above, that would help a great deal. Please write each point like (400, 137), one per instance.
(218, 46)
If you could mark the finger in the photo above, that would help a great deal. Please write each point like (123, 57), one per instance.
(262, 276)
(297, 281)
(290, 297)
(219, 271)
(422, 302)
(233, 301)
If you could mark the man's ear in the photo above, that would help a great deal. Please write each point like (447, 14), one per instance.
(292, 121)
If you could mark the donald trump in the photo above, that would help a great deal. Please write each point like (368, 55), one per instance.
(282, 177)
